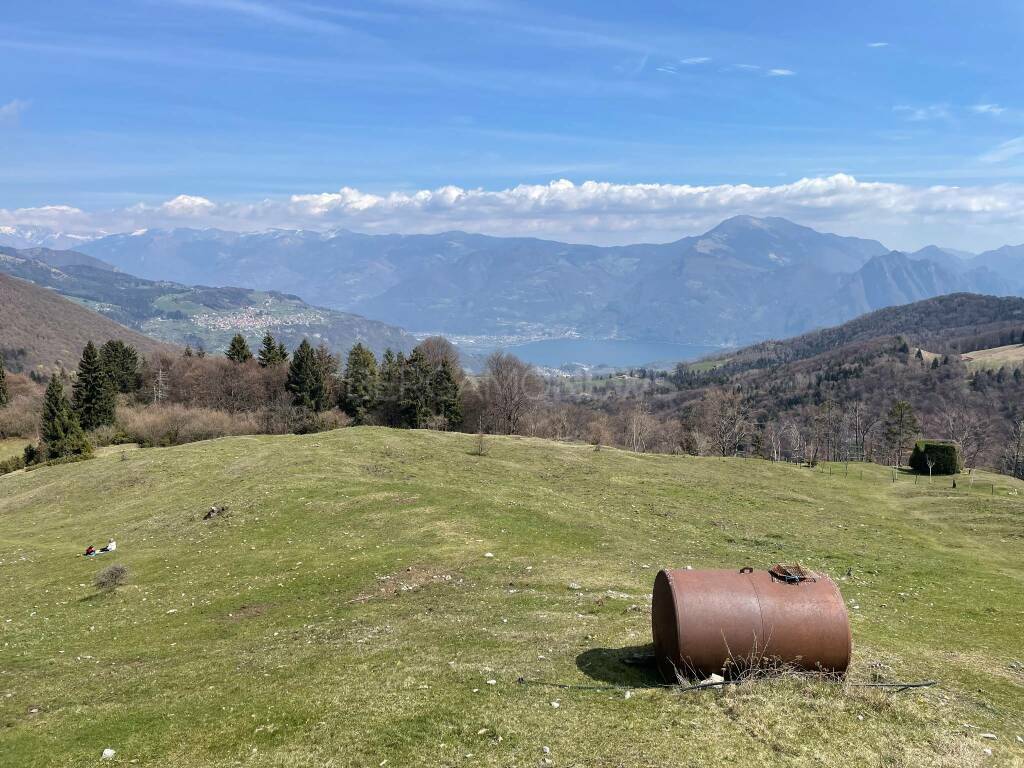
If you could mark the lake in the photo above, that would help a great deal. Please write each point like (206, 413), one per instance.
(614, 353)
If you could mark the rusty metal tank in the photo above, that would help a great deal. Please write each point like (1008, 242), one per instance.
(710, 621)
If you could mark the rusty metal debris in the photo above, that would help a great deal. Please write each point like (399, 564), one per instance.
(733, 621)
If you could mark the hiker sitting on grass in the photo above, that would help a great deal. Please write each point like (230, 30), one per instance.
(111, 546)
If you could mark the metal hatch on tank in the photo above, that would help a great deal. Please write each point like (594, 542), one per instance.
(715, 621)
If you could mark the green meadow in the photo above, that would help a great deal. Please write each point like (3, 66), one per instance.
(374, 597)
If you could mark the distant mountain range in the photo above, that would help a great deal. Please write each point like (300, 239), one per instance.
(196, 315)
(745, 280)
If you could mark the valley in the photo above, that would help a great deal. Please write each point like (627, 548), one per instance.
(746, 280)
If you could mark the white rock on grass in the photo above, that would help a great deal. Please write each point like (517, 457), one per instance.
(488, 554)
(108, 754)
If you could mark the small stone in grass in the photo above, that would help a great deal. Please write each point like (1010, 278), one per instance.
(492, 682)
(488, 554)
(988, 736)
(555, 704)
(546, 750)
(108, 754)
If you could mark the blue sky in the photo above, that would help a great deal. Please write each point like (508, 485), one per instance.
(235, 102)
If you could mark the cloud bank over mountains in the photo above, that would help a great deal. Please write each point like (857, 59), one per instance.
(973, 217)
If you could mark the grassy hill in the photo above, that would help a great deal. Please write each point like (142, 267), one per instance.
(40, 329)
(345, 611)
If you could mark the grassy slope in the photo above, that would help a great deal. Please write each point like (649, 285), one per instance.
(1011, 356)
(293, 632)
(11, 446)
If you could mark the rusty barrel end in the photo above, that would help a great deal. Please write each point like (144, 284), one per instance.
(665, 625)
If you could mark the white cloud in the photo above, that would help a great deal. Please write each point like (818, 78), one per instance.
(695, 60)
(878, 45)
(921, 114)
(188, 205)
(780, 72)
(1005, 151)
(988, 109)
(12, 111)
(596, 211)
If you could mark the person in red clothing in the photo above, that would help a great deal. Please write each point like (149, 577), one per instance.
(90, 551)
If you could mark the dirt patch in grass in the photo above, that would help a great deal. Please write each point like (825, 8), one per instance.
(410, 579)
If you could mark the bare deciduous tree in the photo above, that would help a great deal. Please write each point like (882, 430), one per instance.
(726, 420)
(967, 428)
(639, 426)
(1013, 454)
(510, 389)
(862, 425)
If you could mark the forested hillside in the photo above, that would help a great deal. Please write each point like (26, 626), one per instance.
(827, 395)
(200, 316)
(40, 329)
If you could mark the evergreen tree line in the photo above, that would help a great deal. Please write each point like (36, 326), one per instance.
(102, 373)
(413, 391)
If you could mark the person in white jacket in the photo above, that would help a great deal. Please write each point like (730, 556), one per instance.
(111, 546)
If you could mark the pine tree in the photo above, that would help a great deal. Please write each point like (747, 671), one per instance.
(238, 350)
(415, 396)
(5, 396)
(445, 395)
(389, 389)
(93, 392)
(361, 384)
(121, 362)
(271, 353)
(305, 378)
(282, 352)
(61, 433)
(328, 367)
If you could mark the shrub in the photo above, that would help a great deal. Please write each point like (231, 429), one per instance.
(20, 417)
(12, 464)
(111, 577)
(74, 458)
(108, 434)
(945, 456)
(162, 425)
